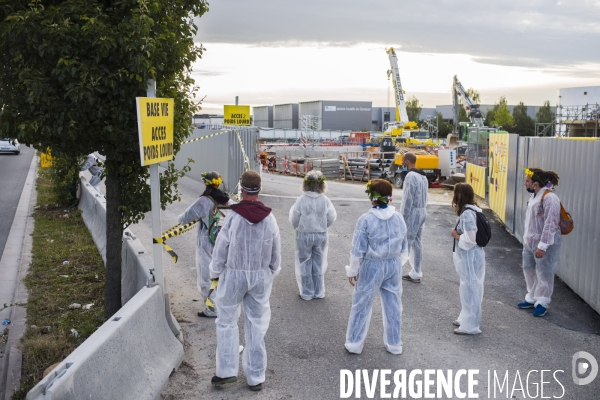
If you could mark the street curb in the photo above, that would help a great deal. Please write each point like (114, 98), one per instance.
(20, 242)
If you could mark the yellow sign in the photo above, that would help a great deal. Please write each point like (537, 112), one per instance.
(236, 115)
(46, 159)
(155, 129)
(475, 176)
(498, 161)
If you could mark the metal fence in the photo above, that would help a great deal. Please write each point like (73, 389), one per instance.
(577, 162)
(221, 153)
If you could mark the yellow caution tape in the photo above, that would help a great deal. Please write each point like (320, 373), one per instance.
(209, 303)
(172, 232)
(206, 137)
(246, 163)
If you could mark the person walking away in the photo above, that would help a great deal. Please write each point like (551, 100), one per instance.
(246, 257)
(469, 260)
(379, 249)
(413, 209)
(541, 239)
(311, 215)
(201, 210)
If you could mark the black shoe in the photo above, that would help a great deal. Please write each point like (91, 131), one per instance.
(221, 381)
(201, 314)
(256, 388)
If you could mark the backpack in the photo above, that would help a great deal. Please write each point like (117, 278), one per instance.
(484, 229)
(566, 221)
(215, 220)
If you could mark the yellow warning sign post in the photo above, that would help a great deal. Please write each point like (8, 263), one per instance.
(236, 115)
(155, 129)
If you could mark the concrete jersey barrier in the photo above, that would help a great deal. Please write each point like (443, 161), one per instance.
(129, 357)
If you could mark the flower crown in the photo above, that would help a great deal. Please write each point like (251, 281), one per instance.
(535, 177)
(373, 195)
(312, 182)
(214, 182)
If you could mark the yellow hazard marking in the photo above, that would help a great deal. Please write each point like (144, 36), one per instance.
(172, 232)
(206, 137)
(208, 302)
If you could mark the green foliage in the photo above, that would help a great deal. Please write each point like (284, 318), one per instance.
(444, 128)
(462, 115)
(502, 115)
(413, 109)
(72, 70)
(524, 125)
(53, 286)
(544, 113)
(474, 95)
(64, 174)
(489, 117)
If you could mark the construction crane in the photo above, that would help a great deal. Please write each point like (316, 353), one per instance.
(473, 111)
(401, 114)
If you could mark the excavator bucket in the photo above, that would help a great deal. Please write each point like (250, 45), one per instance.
(452, 140)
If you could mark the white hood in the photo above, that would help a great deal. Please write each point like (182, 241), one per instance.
(473, 207)
(312, 194)
(383, 213)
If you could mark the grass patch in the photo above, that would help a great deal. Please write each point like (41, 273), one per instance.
(53, 285)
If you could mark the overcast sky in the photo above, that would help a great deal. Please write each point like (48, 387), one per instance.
(280, 51)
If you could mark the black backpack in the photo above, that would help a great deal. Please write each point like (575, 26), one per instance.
(484, 229)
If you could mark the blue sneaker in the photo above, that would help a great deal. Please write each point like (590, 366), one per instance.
(539, 311)
(525, 304)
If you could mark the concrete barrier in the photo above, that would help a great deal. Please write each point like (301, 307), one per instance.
(129, 357)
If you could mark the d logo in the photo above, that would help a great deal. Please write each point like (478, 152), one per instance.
(590, 364)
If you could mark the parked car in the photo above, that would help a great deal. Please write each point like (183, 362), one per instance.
(9, 146)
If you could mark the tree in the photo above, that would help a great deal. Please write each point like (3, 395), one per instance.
(71, 72)
(490, 115)
(502, 115)
(524, 125)
(474, 95)
(462, 115)
(544, 113)
(444, 128)
(413, 109)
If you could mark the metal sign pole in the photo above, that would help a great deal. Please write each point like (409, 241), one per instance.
(155, 204)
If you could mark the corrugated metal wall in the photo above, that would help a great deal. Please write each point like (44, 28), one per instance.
(314, 108)
(511, 184)
(577, 163)
(285, 116)
(221, 153)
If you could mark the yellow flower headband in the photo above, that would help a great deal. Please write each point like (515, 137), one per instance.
(529, 172)
(215, 182)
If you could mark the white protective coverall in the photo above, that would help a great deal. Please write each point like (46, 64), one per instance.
(201, 209)
(541, 232)
(469, 261)
(91, 164)
(311, 215)
(379, 249)
(246, 258)
(413, 209)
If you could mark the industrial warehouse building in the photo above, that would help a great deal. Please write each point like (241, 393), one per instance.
(578, 113)
(263, 116)
(285, 116)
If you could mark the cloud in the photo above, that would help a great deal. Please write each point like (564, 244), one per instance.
(510, 32)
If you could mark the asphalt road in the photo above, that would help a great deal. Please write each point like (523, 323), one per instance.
(305, 341)
(13, 172)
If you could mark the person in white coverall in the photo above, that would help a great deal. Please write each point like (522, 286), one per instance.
(379, 249)
(541, 239)
(201, 210)
(469, 260)
(311, 216)
(245, 260)
(413, 209)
